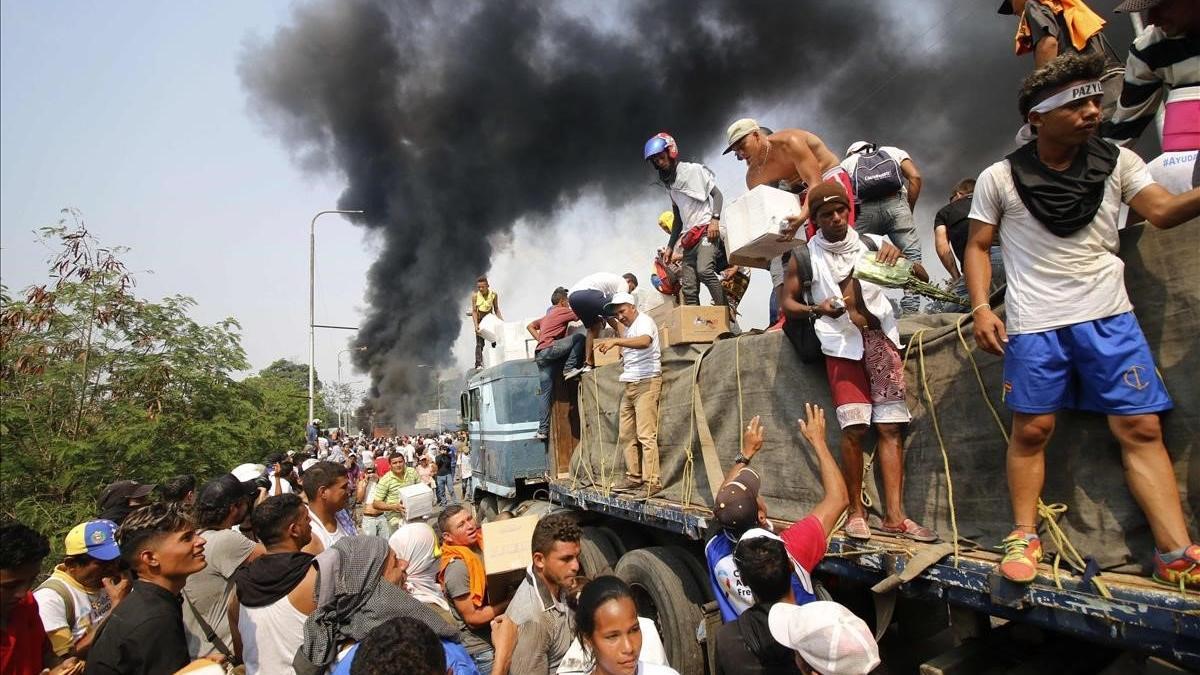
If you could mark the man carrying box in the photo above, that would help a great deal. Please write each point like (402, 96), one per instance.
(641, 362)
(696, 199)
(861, 342)
(790, 159)
(555, 349)
(387, 495)
(464, 580)
(484, 301)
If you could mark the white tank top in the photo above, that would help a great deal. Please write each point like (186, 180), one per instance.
(270, 637)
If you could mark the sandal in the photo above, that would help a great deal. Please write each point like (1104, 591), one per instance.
(856, 528)
(909, 529)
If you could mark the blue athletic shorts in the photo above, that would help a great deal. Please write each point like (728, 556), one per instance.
(1102, 366)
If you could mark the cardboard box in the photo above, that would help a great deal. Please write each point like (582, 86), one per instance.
(417, 500)
(751, 225)
(695, 323)
(508, 544)
(660, 312)
(601, 359)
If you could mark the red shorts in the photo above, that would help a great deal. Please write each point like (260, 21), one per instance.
(870, 390)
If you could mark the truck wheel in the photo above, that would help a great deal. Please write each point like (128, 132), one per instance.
(615, 541)
(597, 556)
(487, 509)
(667, 593)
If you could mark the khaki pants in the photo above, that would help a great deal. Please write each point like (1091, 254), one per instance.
(639, 426)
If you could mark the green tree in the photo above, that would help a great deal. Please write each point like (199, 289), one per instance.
(97, 385)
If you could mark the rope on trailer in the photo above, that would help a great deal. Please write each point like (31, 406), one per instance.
(1065, 551)
(919, 338)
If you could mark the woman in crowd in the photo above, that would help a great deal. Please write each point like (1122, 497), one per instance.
(606, 623)
(415, 543)
(360, 586)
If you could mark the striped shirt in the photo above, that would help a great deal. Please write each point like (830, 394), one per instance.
(1154, 60)
(388, 491)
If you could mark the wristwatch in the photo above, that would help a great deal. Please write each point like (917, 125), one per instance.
(741, 459)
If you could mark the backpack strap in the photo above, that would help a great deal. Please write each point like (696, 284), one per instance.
(209, 634)
(804, 265)
(60, 588)
(869, 242)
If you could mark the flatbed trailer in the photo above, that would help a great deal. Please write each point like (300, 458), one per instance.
(657, 545)
(951, 613)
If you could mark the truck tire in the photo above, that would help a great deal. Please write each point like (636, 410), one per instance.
(597, 556)
(614, 540)
(486, 511)
(666, 592)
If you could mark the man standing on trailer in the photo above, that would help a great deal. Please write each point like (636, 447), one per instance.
(697, 200)
(1071, 339)
(641, 372)
(859, 336)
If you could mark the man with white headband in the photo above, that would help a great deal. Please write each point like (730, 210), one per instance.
(1071, 339)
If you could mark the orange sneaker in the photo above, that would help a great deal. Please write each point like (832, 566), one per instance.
(1022, 553)
(1183, 572)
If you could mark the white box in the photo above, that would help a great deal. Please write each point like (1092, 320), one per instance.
(417, 500)
(490, 327)
(513, 342)
(751, 225)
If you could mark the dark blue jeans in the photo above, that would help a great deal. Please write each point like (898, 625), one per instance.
(565, 352)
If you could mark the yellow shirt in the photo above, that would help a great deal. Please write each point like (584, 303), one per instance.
(485, 303)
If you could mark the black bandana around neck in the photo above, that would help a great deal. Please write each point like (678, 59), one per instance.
(1064, 201)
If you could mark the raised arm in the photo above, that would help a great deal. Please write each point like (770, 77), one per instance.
(836, 498)
(1163, 209)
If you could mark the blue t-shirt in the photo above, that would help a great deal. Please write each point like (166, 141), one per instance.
(457, 660)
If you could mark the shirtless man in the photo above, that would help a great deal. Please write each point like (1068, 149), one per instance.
(861, 342)
(792, 160)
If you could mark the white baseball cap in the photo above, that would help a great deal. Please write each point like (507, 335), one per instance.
(610, 308)
(308, 463)
(739, 130)
(829, 637)
(857, 146)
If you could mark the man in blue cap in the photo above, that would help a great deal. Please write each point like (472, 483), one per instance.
(83, 589)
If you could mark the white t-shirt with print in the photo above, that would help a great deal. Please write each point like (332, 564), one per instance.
(1058, 281)
(641, 364)
(53, 609)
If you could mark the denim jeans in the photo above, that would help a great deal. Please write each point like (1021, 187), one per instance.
(376, 525)
(893, 217)
(445, 490)
(700, 266)
(960, 287)
(567, 352)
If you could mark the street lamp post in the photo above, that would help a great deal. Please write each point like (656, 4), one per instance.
(312, 276)
(438, 404)
(341, 408)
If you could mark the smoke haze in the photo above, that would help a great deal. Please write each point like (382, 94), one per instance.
(450, 122)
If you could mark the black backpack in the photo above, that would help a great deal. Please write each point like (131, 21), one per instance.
(877, 175)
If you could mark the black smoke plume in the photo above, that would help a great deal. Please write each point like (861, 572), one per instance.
(451, 120)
